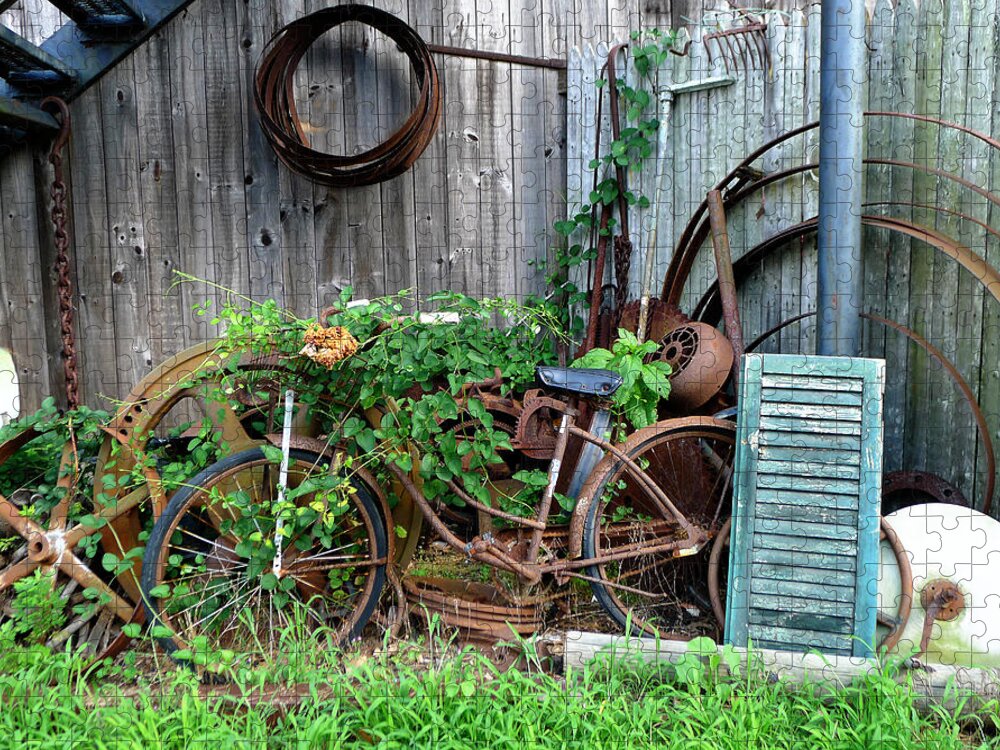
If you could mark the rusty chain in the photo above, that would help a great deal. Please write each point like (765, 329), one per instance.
(61, 237)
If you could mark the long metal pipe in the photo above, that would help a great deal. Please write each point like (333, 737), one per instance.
(843, 62)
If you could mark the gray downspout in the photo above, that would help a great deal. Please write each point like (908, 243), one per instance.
(843, 71)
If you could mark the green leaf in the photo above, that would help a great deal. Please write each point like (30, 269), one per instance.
(132, 630)
(160, 592)
(366, 440)
(269, 582)
(272, 453)
(565, 227)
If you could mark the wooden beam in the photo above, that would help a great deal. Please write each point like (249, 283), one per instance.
(949, 687)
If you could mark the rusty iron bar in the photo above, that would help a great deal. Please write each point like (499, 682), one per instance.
(503, 57)
(60, 219)
(948, 365)
(735, 182)
(727, 282)
(550, 489)
(597, 284)
(473, 503)
(274, 96)
(927, 485)
(622, 243)
(651, 487)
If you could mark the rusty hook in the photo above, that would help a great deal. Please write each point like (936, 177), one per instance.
(62, 116)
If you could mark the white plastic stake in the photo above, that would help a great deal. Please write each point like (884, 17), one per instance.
(286, 439)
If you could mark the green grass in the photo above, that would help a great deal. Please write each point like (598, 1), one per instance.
(47, 701)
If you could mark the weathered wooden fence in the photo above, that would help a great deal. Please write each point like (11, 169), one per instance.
(169, 171)
(932, 57)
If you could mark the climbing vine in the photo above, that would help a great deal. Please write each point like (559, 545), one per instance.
(635, 144)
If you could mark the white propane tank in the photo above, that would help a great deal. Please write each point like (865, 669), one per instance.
(947, 545)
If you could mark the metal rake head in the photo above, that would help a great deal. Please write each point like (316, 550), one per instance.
(741, 48)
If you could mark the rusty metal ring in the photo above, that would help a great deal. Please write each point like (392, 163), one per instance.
(274, 97)
(736, 187)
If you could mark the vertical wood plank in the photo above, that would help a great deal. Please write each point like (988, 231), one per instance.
(265, 232)
(129, 291)
(96, 337)
(189, 124)
(157, 187)
(227, 207)
(896, 304)
(396, 93)
(430, 173)
(462, 108)
(499, 212)
(922, 411)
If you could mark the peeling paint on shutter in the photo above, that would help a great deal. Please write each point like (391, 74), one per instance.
(803, 566)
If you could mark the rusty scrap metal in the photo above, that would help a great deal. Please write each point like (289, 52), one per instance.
(476, 608)
(701, 359)
(901, 489)
(744, 180)
(942, 600)
(61, 237)
(274, 97)
(661, 318)
(535, 434)
(984, 273)
(502, 57)
(741, 46)
(727, 283)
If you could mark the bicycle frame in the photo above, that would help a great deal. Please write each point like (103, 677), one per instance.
(486, 549)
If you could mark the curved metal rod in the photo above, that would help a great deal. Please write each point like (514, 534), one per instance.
(947, 364)
(680, 265)
(689, 253)
(707, 309)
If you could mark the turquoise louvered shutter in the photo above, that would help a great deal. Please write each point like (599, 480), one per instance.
(804, 545)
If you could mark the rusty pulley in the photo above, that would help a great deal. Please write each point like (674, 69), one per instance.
(274, 95)
(61, 237)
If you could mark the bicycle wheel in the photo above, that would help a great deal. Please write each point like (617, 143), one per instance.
(691, 460)
(209, 573)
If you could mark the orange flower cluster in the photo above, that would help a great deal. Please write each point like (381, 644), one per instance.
(328, 346)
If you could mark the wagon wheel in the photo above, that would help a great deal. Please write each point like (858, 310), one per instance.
(718, 575)
(219, 575)
(95, 566)
(691, 460)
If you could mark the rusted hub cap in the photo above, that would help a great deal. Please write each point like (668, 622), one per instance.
(40, 548)
(948, 598)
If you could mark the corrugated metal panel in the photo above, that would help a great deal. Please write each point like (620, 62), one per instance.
(806, 504)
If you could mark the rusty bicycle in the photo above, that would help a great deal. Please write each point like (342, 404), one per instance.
(220, 575)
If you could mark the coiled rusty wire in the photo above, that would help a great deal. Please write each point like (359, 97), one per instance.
(275, 99)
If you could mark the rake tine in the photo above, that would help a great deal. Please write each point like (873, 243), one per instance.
(767, 51)
(733, 48)
(708, 47)
(750, 39)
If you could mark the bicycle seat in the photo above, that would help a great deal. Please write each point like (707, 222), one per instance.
(579, 380)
